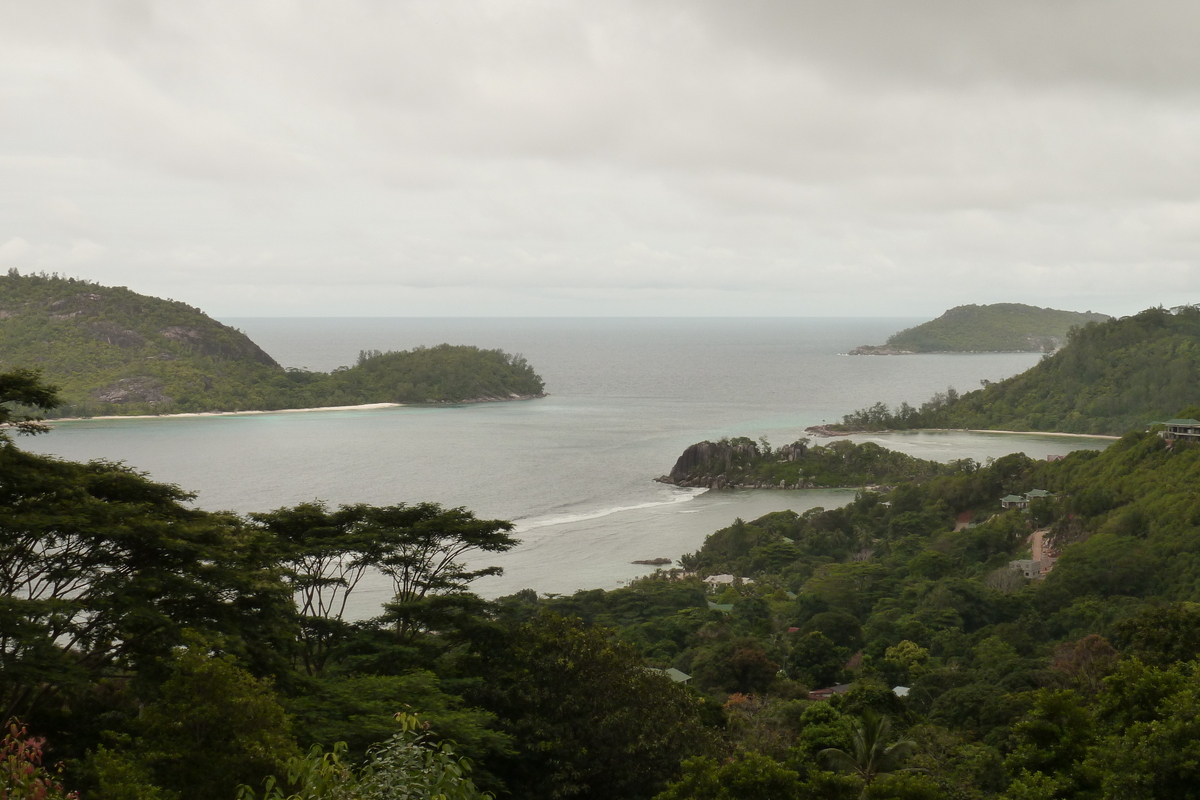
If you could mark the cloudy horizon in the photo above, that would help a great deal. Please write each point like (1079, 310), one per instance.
(652, 158)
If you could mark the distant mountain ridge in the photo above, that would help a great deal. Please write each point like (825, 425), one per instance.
(999, 327)
(113, 351)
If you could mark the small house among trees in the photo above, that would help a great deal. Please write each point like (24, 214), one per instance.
(677, 675)
(1180, 429)
(1017, 501)
(825, 694)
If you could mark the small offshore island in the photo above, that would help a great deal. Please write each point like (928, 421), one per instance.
(994, 328)
(114, 352)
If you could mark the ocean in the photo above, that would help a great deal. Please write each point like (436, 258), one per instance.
(573, 470)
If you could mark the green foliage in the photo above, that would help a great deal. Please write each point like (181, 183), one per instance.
(870, 756)
(104, 569)
(588, 720)
(747, 776)
(406, 766)
(122, 775)
(24, 388)
(1162, 635)
(214, 726)
(815, 660)
(742, 462)
(1000, 327)
(1110, 378)
(317, 775)
(23, 776)
(112, 351)
(359, 710)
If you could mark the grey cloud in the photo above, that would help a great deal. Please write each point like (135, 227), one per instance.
(611, 154)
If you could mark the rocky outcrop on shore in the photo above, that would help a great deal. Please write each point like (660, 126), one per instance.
(742, 463)
(826, 432)
(721, 465)
(492, 399)
(880, 350)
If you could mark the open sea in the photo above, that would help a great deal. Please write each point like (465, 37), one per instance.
(573, 470)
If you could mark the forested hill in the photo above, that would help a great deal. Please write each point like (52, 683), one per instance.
(1000, 327)
(1110, 378)
(114, 351)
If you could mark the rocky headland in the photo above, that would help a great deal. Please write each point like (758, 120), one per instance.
(724, 465)
(742, 463)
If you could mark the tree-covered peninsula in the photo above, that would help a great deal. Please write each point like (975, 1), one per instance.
(995, 328)
(934, 640)
(743, 463)
(113, 351)
(1111, 377)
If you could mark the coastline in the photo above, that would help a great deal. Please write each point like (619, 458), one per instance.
(824, 432)
(1034, 433)
(360, 407)
(363, 407)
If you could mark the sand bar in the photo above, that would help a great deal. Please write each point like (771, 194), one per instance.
(1035, 433)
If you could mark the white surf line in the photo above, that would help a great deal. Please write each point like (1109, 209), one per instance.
(566, 519)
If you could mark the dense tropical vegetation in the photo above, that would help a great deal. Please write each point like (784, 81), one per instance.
(1000, 327)
(1110, 378)
(112, 351)
(744, 463)
(153, 651)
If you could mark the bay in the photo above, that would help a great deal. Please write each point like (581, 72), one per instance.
(573, 470)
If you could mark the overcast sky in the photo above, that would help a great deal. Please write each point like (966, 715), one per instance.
(597, 157)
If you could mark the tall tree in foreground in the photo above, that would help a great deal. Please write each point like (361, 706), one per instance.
(871, 756)
(423, 548)
(324, 554)
(101, 569)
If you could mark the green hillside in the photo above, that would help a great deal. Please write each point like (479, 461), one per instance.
(1111, 377)
(927, 642)
(114, 351)
(1000, 327)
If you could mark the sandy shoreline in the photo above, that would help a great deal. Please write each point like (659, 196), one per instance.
(825, 432)
(363, 407)
(1037, 433)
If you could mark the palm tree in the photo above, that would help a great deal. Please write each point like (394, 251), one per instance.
(872, 755)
